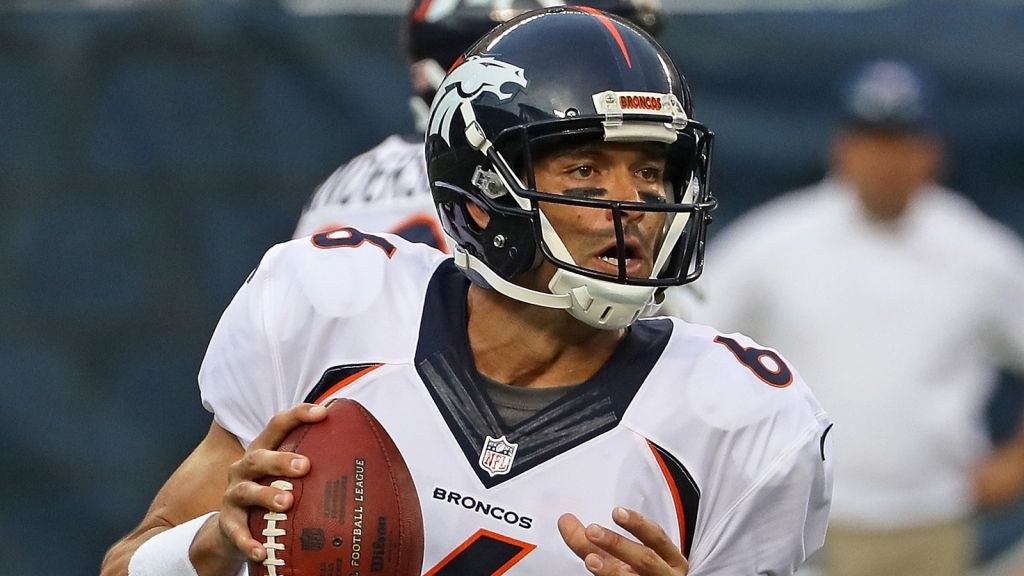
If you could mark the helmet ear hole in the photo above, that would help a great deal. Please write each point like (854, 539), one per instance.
(478, 217)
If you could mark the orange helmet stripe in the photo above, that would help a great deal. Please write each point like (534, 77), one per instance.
(455, 65)
(611, 28)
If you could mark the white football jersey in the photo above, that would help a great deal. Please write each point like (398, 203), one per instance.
(715, 439)
(382, 190)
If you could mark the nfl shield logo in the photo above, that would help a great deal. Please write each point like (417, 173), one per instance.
(497, 455)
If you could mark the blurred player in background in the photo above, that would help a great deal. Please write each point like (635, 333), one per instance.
(385, 189)
(898, 299)
(571, 177)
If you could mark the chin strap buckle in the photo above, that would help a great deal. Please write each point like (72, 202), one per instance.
(488, 182)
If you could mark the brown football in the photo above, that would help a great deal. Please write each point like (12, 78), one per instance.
(356, 512)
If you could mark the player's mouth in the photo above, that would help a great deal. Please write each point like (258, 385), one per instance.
(608, 259)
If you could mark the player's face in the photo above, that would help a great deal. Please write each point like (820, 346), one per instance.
(632, 172)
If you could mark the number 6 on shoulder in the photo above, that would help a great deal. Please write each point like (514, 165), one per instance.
(765, 364)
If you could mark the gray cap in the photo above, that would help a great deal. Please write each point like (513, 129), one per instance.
(888, 95)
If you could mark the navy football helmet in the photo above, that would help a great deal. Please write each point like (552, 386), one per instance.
(553, 78)
(435, 33)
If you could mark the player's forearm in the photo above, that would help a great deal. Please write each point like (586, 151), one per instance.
(194, 490)
(195, 547)
(115, 562)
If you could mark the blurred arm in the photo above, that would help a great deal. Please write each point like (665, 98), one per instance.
(999, 479)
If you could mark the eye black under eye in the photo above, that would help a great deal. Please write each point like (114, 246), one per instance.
(652, 198)
(585, 192)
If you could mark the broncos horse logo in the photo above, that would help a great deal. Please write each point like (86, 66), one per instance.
(475, 76)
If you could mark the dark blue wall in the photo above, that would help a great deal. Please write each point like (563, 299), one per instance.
(148, 159)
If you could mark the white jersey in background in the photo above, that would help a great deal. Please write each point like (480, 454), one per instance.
(899, 327)
(382, 190)
(713, 438)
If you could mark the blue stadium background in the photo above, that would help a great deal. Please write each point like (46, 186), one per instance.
(148, 157)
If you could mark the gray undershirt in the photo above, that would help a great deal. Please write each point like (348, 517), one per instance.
(517, 403)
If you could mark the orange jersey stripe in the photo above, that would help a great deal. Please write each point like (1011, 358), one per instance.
(346, 382)
(676, 500)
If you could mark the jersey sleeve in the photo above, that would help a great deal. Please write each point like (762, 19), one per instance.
(312, 303)
(781, 519)
(240, 377)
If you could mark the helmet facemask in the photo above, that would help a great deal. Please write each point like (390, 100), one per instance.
(603, 297)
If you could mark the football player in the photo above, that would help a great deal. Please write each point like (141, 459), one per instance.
(571, 177)
(385, 189)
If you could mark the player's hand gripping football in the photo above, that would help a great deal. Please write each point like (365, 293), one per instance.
(607, 553)
(233, 541)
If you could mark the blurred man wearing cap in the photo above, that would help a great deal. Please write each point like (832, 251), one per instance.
(899, 300)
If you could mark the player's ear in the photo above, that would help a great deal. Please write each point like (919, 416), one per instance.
(480, 218)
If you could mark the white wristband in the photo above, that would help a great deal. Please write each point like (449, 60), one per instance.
(166, 554)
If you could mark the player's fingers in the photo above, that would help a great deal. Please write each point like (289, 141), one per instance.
(244, 495)
(655, 554)
(234, 514)
(652, 536)
(575, 537)
(641, 559)
(234, 531)
(262, 458)
(258, 463)
(597, 561)
(284, 422)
